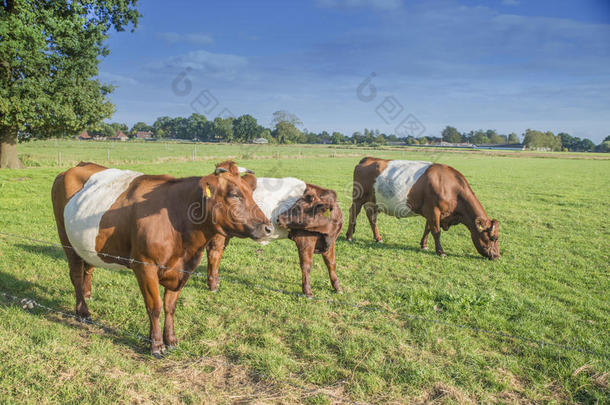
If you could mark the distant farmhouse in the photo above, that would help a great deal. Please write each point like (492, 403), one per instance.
(145, 135)
(84, 136)
(120, 136)
(260, 140)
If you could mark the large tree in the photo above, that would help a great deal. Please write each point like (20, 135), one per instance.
(246, 128)
(451, 135)
(49, 56)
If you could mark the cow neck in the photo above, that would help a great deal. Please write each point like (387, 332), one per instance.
(472, 209)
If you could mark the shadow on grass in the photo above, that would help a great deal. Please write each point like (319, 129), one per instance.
(54, 252)
(372, 244)
(11, 285)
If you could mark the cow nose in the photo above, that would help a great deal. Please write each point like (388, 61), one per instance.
(268, 229)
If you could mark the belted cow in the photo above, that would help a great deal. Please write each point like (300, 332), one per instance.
(307, 214)
(156, 225)
(438, 192)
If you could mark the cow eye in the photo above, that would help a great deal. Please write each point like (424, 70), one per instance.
(234, 194)
(308, 199)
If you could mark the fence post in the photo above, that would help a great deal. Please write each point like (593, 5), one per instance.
(108, 155)
(59, 158)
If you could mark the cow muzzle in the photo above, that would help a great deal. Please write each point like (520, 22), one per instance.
(263, 230)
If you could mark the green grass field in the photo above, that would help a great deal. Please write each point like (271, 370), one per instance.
(410, 327)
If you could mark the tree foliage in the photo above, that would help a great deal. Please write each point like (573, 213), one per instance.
(49, 56)
(451, 135)
(538, 140)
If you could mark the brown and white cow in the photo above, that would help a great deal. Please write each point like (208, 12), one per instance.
(308, 215)
(437, 192)
(161, 224)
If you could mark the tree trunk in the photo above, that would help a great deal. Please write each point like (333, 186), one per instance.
(8, 149)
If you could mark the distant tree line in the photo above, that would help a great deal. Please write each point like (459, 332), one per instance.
(286, 128)
(532, 139)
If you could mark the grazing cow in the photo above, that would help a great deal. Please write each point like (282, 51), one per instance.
(437, 192)
(157, 226)
(307, 214)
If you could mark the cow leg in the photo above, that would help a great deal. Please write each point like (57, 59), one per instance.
(87, 281)
(170, 300)
(424, 239)
(435, 228)
(215, 249)
(149, 286)
(331, 264)
(353, 214)
(76, 265)
(371, 213)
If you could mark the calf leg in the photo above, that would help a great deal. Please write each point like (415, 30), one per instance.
(371, 213)
(215, 249)
(149, 286)
(306, 246)
(435, 227)
(87, 281)
(353, 214)
(424, 239)
(331, 264)
(170, 300)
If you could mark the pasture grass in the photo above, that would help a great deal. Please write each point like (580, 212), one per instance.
(404, 331)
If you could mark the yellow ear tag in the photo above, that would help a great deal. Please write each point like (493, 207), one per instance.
(327, 214)
(207, 192)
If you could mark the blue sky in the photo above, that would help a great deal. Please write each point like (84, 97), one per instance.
(501, 64)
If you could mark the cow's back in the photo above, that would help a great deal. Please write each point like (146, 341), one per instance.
(393, 184)
(84, 210)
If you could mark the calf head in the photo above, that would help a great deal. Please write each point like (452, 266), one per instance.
(316, 212)
(229, 196)
(485, 237)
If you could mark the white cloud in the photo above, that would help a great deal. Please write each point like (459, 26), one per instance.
(115, 79)
(195, 38)
(215, 65)
(377, 4)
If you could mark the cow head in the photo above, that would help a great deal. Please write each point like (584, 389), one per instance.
(233, 210)
(485, 237)
(315, 212)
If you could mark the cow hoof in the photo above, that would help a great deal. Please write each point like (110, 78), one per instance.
(424, 248)
(350, 240)
(157, 355)
(215, 290)
(339, 290)
(171, 348)
(85, 319)
(380, 241)
(442, 254)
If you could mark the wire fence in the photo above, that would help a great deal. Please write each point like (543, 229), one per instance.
(30, 304)
(540, 343)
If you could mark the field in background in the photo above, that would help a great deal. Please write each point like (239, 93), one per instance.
(404, 331)
(67, 153)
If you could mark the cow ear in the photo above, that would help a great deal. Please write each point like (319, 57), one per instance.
(250, 179)
(481, 224)
(494, 225)
(220, 170)
(208, 190)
